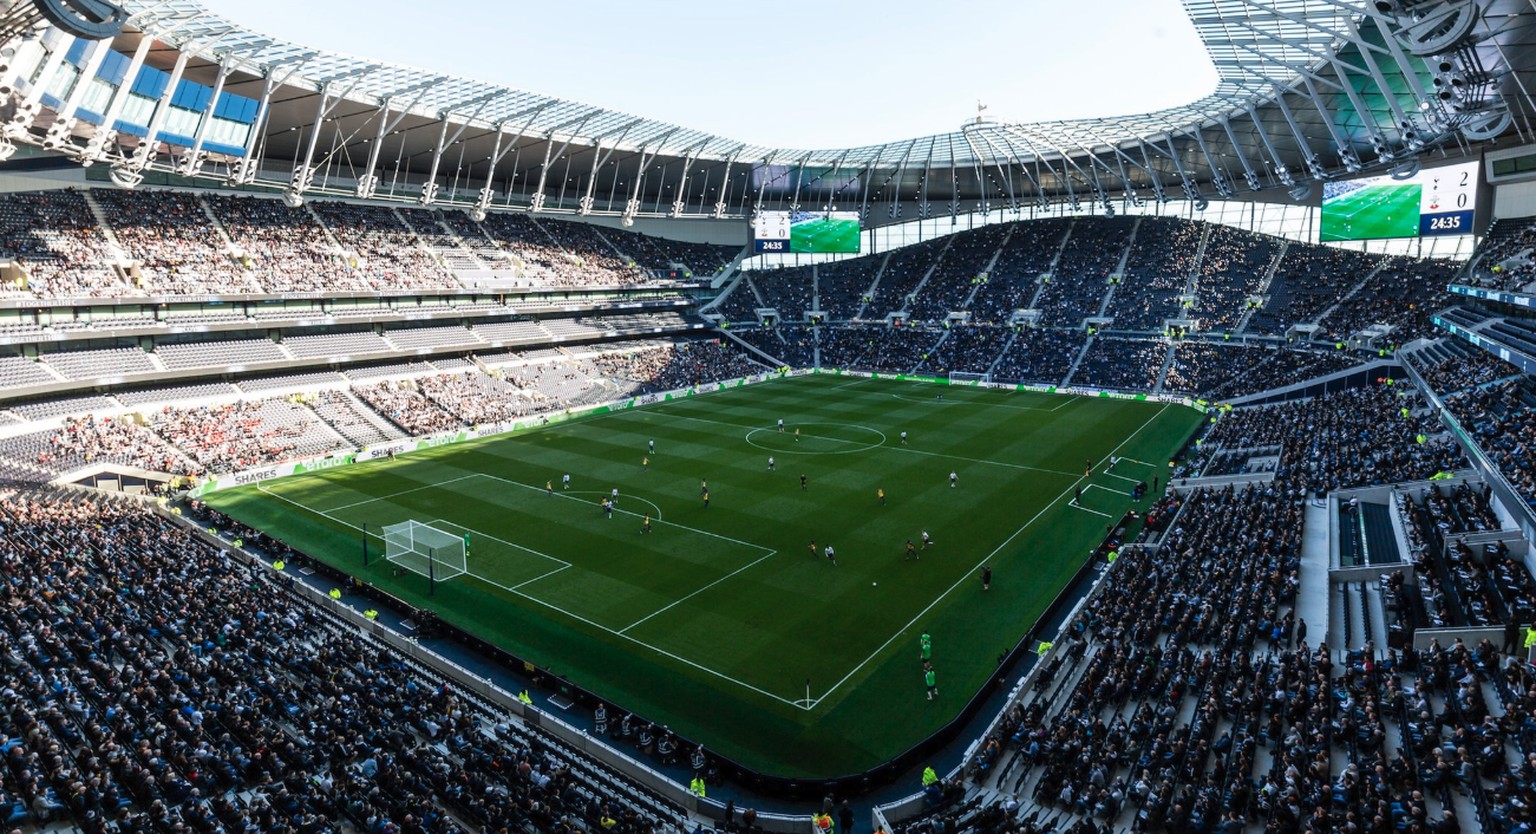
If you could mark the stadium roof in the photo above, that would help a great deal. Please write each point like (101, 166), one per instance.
(1308, 90)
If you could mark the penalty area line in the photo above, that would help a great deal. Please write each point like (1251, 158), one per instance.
(967, 575)
(797, 703)
(1106, 489)
(701, 590)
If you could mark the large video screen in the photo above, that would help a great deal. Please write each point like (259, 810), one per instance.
(811, 232)
(1438, 201)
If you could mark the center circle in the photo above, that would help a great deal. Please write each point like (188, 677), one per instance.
(816, 439)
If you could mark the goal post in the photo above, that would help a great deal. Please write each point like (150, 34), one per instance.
(424, 549)
(968, 378)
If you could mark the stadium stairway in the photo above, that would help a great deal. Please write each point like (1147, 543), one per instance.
(113, 247)
(731, 269)
(1034, 300)
(991, 265)
(1263, 288)
(324, 229)
(815, 288)
(1077, 361)
(1119, 273)
(1353, 291)
(1313, 602)
(873, 285)
(1014, 337)
(754, 350)
(213, 220)
(1162, 373)
(1199, 259)
(906, 304)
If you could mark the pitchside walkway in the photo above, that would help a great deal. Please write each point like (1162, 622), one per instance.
(1312, 598)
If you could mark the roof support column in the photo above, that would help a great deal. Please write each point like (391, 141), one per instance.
(96, 146)
(488, 191)
(192, 160)
(131, 172)
(244, 172)
(429, 188)
(721, 204)
(64, 124)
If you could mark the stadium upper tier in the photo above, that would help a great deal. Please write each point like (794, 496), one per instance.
(1139, 275)
(110, 243)
(1307, 90)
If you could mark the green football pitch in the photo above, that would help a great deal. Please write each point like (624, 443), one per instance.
(1373, 212)
(720, 622)
(825, 235)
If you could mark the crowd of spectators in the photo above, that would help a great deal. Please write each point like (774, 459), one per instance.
(966, 349)
(670, 367)
(658, 254)
(1015, 274)
(903, 272)
(474, 398)
(1507, 257)
(168, 234)
(380, 248)
(740, 303)
(546, 261)
(877, 347)
(1188, 698)
(1309, 279)
(1370, 435)
(1130, 364)
(260, 245)
(1450, 366)
(1225, 370)
(1158, 269)
(1232, 269)
(235, 436)
(1080, 279)
(1502, 418)
(1040, 356)
(844, 285)
(86, 440)
(1401, 295)
(1459, 584)
(792, 345)
(958, 274)
(154, 683)
(789, 291)
(284, 248)
(403, 403)
(54, 237)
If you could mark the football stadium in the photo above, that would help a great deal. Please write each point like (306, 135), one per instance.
(390, 451)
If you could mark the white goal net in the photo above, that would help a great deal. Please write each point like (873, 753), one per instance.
(966, 378)
(424, 549)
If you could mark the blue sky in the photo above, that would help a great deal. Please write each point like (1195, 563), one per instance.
(791, 73)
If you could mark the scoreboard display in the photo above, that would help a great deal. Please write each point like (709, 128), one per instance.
(1436, 201)
(1449, 199)
(807, 232)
